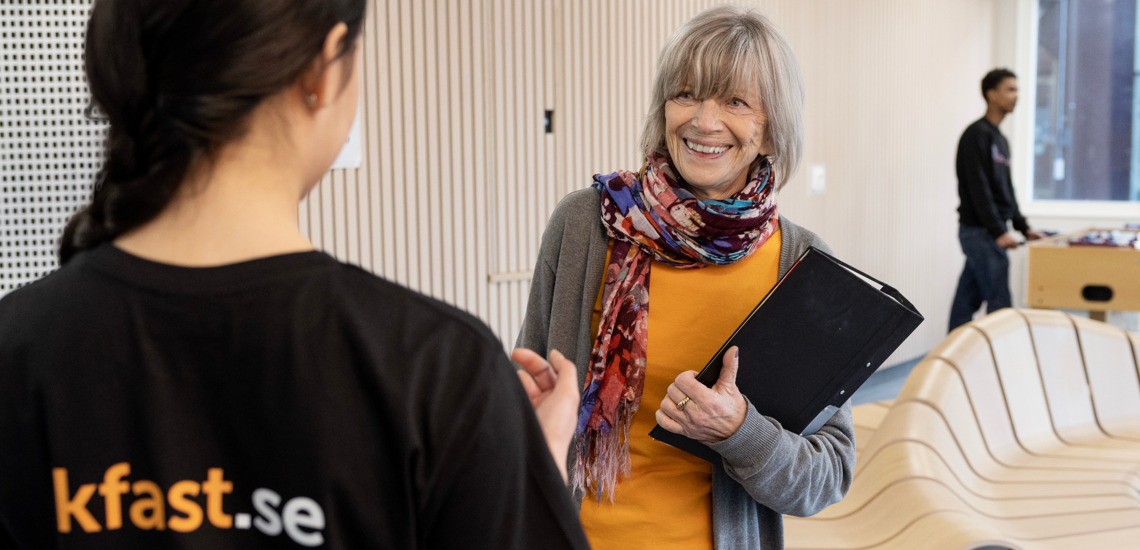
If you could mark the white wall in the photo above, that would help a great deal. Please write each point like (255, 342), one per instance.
(891, 86)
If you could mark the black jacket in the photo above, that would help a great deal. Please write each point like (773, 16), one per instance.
(984, 184)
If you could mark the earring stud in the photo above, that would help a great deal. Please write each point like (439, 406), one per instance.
(311, 99)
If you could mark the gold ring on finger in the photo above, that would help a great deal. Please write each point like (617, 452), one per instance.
(681, 404)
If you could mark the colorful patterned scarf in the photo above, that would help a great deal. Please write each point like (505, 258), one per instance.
(651, 216)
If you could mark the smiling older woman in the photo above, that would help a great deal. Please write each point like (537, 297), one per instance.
(724, 133)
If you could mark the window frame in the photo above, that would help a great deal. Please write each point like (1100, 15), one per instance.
(1022, 133)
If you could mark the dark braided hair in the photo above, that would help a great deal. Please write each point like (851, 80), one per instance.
(176, 79)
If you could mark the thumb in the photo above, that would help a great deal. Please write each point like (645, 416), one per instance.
(728, 372)
(567, 374)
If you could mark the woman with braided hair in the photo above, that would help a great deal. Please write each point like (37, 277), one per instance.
(197, 376)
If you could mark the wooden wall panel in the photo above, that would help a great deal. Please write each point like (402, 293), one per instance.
(458, 177)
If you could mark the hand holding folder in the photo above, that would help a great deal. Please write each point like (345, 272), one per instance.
(705, 414)
(810, 343)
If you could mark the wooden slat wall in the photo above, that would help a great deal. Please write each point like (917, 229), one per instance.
(459, 178)
(416, 210)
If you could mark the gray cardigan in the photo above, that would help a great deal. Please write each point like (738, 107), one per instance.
(767, 471)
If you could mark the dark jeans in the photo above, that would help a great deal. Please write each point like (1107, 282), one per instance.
(984, 279)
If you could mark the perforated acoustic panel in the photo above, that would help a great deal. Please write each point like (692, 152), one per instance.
(49, 152)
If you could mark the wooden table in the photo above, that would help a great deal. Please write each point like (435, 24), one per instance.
(1095, 278)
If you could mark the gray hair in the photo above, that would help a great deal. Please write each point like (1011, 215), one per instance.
(728, 48)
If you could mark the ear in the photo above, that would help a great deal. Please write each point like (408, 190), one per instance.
(322, 81)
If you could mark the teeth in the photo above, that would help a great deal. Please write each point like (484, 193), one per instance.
(704, 149)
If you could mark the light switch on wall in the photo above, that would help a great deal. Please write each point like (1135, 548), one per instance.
(818, 179)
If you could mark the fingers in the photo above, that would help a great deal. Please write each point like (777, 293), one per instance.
(559, 410)
(567, 373)
(670, 412)
(675, 395)
(528, 384)
(539, 368)
(668, 423)
(668, 407)
(689, 385)
(524, 357)
(728, 372)
(560, 364)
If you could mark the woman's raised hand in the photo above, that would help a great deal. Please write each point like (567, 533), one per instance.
(553, 391)
(708, 415)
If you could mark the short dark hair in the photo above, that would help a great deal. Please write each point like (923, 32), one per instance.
(993, 79)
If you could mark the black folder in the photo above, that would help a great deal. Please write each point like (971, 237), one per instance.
(810, 343)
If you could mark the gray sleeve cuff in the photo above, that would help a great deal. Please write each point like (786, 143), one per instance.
(752, 445)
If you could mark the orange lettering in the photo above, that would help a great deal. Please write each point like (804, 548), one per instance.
(66, 507)
(178, 501)
(139, 508)
(214, 487)
(112, 489)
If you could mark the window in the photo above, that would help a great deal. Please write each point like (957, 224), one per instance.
(1087, 118)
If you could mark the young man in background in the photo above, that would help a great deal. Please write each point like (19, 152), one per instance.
(987, 204)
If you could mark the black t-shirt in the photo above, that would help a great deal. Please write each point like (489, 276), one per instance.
(984, 183)
(286, 402)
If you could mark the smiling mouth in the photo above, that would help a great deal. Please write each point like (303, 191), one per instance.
(706, 149)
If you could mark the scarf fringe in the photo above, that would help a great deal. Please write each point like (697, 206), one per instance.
(603, 457)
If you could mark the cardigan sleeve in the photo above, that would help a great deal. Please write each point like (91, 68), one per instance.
(790, 474)
(535, 331)
(536, 320)
(784, 471)
(566, 278)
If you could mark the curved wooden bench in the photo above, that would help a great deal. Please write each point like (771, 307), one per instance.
(1067, 389)
(1020, 430)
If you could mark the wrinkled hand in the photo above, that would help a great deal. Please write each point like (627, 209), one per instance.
(1006, 241)
(712, 414)
(553, 391)
(1034, 234)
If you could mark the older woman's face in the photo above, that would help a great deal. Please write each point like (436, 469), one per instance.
(713, 141)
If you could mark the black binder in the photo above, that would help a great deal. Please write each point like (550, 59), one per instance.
(810, 343)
